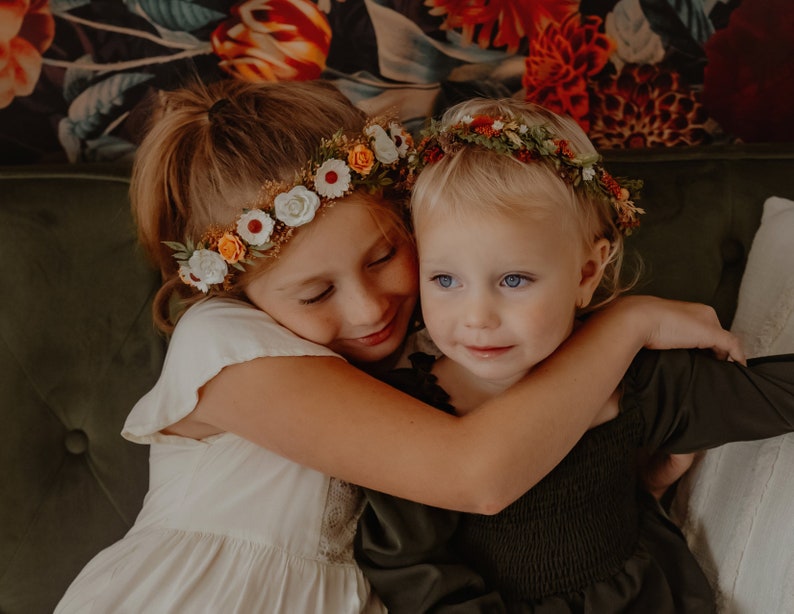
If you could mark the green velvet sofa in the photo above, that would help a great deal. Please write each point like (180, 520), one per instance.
(78, 347)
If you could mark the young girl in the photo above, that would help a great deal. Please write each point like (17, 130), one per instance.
(272, 210)
(519, 228)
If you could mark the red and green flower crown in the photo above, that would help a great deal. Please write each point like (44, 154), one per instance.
(535, 143)
(376, 158)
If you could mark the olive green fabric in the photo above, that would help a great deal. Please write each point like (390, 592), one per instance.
(703, 208)
(77, 347)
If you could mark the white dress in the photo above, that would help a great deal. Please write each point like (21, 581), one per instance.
(227, 526)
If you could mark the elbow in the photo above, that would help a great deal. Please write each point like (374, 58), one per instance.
(492, 489)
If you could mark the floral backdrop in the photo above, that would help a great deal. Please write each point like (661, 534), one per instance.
(74, 74)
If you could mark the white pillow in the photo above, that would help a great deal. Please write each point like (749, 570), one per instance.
(736, 507)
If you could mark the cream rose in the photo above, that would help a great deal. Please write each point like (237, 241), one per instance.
(382, 144)
(296, 207)
(205, 268)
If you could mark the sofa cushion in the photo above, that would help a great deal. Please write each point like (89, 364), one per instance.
(77, 349)
(736, 506)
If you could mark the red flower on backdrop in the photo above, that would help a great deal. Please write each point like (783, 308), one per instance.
(500, 23)
(273, 40)
(560, 62)
(646, 106)
(748, 83)
(27, 29)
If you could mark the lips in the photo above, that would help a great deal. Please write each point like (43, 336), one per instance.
(378, 337)
(484, 352)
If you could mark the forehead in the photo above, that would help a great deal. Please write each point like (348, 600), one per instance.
(340, 234)
(498, 239)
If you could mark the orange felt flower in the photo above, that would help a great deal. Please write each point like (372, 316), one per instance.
(361, 159)
(231, 248)
(27, 29)
(273, 40)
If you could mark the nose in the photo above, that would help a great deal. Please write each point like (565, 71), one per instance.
(479, 311)
(366, 304)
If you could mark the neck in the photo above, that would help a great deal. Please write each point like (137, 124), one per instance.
(466, 390)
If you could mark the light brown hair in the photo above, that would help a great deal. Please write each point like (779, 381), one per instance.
(209, 149)
(474, 179)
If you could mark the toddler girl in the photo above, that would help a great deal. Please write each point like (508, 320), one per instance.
(519, 229)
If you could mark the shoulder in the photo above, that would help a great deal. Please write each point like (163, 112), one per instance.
(237, 329)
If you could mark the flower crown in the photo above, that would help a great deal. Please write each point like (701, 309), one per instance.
(376, 158)
(529, 143)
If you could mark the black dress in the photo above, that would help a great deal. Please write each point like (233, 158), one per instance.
(586, 538)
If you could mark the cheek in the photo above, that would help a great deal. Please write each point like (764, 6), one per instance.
(404, 275)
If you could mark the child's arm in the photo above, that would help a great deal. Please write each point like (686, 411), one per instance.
(691, 401)
(323, 413)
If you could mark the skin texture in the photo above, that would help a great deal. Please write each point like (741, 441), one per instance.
(499, 294)
(358, 303)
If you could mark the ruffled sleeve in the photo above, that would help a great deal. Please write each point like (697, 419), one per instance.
(211, 335)
(692, 401)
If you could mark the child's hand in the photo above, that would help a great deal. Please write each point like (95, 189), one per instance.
(669, 324)
(660, 471)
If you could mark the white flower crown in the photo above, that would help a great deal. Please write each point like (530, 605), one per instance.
(377, 158)
(535, 143)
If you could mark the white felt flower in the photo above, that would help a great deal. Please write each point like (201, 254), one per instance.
(400, 138)
(332, 179)
(296, 207)
(255, 227)
(203, 269)
(588, 173)
(382, 144)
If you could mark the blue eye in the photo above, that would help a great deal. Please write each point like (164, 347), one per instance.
(514, 280)
(445, 281)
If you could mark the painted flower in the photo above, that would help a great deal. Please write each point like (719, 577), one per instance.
(382, 144)
(255, 227)
(636, 42)
(273, 40)
(500, 23)
(203, 269)
(560, 62)
(296, 207)
(402, 139)
(27, 29)
(748, 83)
(231, 248)
(332, 179)
(646, 106)
(361, 159)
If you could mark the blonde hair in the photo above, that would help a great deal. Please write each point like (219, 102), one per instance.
(474, 179)
(209, 149)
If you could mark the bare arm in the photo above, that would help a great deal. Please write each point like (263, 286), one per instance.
(325, 414)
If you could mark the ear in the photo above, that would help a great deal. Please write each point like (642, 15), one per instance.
(592, 270)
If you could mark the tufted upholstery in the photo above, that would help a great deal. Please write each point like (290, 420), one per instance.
(703, 208)
(77, 347)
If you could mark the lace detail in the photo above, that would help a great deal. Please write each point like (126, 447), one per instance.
(343, 506)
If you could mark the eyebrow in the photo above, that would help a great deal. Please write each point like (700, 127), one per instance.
(303, 283)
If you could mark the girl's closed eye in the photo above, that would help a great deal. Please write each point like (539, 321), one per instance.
(516, 280)
(385, 258)
(317, 298)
